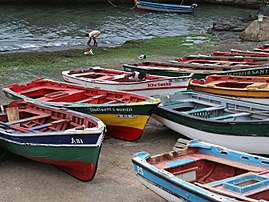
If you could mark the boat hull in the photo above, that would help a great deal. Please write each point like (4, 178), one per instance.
(158, 86)
(200, 171)
(241, 143)
(174, 71)
(118, 118)
(64, 138)
(126, 123)
(208, 126)
(162, 192)
(79, 161)
(160, 7)
(254, 89)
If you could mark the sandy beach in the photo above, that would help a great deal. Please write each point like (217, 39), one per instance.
(115, 180)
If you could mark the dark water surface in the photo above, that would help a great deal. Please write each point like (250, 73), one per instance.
(35, 27)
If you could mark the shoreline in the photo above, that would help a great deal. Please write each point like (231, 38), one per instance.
(223, 36)
(117, 3)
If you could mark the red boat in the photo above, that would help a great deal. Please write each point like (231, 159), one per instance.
(125, 114)
(221, 59)
(264, 48)
(238, 54)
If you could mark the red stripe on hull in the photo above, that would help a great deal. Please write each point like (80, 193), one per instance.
(80, 170)
(124, 133)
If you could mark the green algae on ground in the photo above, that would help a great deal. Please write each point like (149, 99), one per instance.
(50, 64)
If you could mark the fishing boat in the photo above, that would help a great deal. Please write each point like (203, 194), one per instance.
(164, 7)
(263, 48)
(198, 70)
(121, 80)
(232, 123)
(221, 59)
(125, 114)
(199, 171)
(237, 53)
(248, 52)
(248, 87)
(69, 140)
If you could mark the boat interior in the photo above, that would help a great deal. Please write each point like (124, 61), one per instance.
(233, 82)
(109, 75)
(217, 111)
(242, 85)
(77, 94)
(217, 173)
(197, 66)
(22, 117)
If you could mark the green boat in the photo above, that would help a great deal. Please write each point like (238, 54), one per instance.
(199, 71)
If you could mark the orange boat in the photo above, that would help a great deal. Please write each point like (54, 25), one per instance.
(236, 86)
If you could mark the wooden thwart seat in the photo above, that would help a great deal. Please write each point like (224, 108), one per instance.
(49, 124)
(92, 98)
(205, 109)
(230, 116)
(29, 119)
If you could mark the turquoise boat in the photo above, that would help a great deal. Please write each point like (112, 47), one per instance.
(199, 171)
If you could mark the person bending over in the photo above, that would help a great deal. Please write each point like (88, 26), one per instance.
(92, 36)
(136, 76)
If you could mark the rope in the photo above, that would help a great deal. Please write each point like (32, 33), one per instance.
(112, 4)
(134, 6)
(118, 6)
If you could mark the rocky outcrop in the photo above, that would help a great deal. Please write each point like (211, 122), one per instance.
(231, 25)
(256, 31)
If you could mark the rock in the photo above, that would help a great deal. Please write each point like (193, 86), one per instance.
(256, 31)
(232, 25)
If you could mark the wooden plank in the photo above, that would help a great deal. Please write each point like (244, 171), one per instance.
(13, 114)
(48, 124)
(91, 98)
(225, 193)
(29, 119)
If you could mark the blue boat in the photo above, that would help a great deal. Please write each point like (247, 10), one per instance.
(199, 171)
(160, 7)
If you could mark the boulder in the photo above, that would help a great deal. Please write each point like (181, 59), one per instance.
(256, 31)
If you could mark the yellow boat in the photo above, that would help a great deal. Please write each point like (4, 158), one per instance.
(236, 86)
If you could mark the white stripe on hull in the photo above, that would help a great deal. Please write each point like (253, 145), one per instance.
(250, 144)
(144, 90)
(162, 193)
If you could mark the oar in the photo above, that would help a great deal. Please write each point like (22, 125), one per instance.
(14, 127)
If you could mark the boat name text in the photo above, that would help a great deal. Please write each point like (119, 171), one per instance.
(110, 109)
(159, 84)
(129, 116)
(250, 72)
(76, 141)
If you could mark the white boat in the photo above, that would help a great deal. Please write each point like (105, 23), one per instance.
(112, 79)
(229, 122)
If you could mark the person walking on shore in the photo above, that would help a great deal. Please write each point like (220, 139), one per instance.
(92, 36)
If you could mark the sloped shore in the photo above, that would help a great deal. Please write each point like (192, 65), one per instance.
(244, 3)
